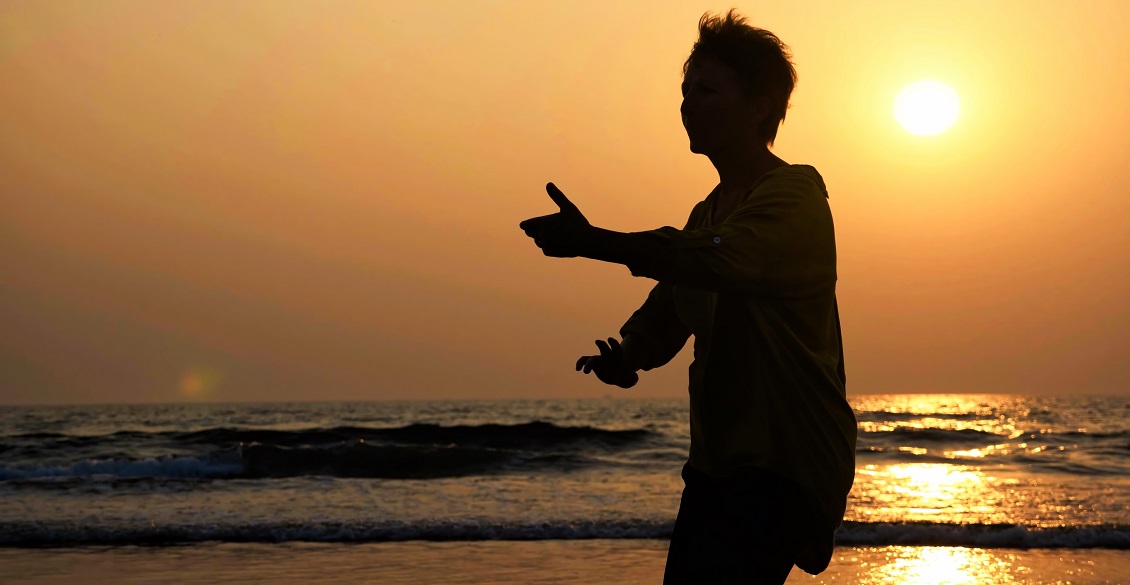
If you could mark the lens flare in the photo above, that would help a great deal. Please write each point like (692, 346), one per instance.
(198, 383)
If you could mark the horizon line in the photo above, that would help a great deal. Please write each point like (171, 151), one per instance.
(519, 399)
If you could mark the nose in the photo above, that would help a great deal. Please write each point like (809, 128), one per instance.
(684, 111)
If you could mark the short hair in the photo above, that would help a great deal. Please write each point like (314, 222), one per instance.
(763, 63)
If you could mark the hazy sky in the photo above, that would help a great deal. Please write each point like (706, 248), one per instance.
(217, 200)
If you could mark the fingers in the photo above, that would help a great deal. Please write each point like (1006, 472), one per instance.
(591, 363)
(559, 198)
(535, 224)
(547, 227)
(605, 351)
(540, 229)
(587, 363)
(535, 228)
(609, 354)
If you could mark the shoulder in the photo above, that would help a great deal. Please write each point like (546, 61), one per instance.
(798, 180)
(796, 192)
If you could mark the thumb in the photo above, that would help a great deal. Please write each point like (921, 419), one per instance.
(560, 199)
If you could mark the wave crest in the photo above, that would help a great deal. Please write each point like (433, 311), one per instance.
(416, 451)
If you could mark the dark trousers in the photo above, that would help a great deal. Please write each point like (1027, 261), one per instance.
(743, 530)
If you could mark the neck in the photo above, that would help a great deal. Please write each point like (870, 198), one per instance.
(739, 169)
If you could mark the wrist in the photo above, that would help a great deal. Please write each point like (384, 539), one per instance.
(632, 353)
(588, 241)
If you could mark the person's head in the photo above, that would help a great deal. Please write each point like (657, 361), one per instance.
(736, 84)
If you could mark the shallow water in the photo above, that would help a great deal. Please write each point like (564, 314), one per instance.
(545, 561)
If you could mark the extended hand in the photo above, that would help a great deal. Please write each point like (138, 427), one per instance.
(562, 234)
(610, 365)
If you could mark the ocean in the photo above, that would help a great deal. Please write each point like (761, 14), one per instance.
(983, 472)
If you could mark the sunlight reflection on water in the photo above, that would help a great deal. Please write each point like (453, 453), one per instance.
(942, 566)
(933, 491)
(971, 459)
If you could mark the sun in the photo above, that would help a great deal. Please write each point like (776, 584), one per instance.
(927, 107)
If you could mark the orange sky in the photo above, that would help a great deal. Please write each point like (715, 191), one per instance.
(218, 200)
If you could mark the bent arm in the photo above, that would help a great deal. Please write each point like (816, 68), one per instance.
(654, 334)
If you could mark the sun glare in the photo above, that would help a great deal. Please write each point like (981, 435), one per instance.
(927, 107)
(942, 565)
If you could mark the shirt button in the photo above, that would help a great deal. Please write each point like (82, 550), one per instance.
(717, 240)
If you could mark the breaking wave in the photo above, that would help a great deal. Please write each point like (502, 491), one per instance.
(418, 451)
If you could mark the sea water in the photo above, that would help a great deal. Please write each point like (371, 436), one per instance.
(987, 471)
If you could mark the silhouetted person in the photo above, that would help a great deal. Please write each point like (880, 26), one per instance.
(753, 277)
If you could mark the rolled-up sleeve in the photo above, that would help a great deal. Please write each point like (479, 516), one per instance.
(779, 241)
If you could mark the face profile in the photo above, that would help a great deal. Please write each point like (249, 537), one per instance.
(717, 113)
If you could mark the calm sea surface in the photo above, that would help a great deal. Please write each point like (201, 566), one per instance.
(988, 471)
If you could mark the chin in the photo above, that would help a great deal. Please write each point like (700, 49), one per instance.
(698, 145)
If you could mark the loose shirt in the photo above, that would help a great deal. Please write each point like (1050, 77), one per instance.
(767, 384)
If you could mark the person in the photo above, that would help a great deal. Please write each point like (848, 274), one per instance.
(752, 277)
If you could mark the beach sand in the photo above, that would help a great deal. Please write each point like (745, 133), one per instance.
(551, 561)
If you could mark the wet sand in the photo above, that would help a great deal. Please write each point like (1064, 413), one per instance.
(577, 561)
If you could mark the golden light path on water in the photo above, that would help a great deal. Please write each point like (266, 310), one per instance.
(943, 460)
(938, 566)
(962, 459)
(943, 488)
(934, 492)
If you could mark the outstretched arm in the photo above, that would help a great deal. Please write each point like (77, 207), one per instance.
(779, 242)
